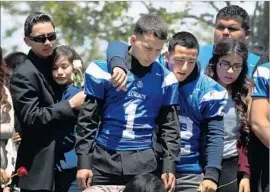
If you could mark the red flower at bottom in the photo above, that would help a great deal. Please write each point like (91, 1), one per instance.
(22, 171)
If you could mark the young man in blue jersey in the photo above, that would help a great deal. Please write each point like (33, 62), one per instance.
(202, 102)
(259, 147)
(122, 147)
(231, 22)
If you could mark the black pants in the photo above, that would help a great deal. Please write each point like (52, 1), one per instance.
(65, 181)
(118, 167)
(259, 167)
(228, 177)
(102, 178)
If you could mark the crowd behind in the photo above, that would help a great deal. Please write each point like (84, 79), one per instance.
(195, 118)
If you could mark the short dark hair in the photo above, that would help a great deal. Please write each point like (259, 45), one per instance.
(235, 12)
(154, 24)
(34, 18)
(14, 59)
(184, 39)
(145, 183)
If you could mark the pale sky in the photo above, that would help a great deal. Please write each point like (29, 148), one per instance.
(8, 21)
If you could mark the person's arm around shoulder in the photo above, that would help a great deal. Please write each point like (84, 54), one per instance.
(116, 54)
(116, 58)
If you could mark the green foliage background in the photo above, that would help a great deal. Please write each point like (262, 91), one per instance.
(86, 24)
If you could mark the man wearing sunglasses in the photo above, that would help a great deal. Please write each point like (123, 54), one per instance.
(41, 39)
(51, 37)
(35, 96)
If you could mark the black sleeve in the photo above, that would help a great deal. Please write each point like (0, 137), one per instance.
(86, 129)
(30, 111)
(169, 137)
(117, 54)
(214, 148)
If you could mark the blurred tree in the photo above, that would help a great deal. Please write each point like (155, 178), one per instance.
(84, 25)
(260, 25)
(259, 21)
(80, 24)
(206, 21)
(171, 18)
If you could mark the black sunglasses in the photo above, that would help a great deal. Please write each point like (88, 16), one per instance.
(43, 38)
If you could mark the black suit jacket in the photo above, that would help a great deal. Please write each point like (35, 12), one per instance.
(41, 119)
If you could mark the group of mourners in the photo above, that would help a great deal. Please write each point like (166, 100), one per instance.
(195, 118)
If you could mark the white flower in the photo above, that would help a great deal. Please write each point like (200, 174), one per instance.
(77, 64)
(77, 75)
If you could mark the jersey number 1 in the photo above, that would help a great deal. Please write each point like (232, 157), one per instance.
(130, 111)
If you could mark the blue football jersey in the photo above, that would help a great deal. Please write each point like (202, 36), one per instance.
(206, 52)
(129, 118)
(200, 99)
(261, 81)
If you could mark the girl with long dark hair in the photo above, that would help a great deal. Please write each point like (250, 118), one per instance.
(228, 66)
